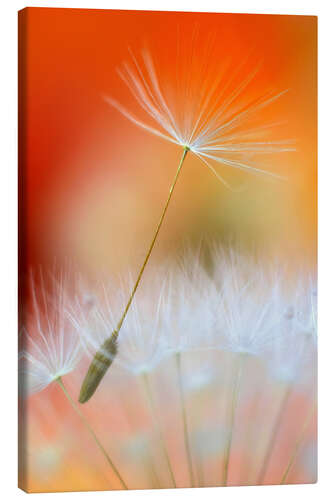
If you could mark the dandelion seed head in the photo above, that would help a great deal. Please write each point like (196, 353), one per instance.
(140, 345)
(202, 108)
(246, 325)
(245, 308)
(232, 307)
(188, 307)
(51, 347)
(235, 305)
(293, 353)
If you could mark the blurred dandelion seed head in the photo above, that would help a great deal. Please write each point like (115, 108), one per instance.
(239, 306)
(189, 308)
(140, 345)
(294, 350)
(51, 347)
(208, 310)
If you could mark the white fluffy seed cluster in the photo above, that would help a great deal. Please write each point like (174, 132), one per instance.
(235, 306)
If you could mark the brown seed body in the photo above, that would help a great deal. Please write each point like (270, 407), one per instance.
(98, 367)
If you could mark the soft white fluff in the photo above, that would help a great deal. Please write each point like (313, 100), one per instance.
(51, 347)
(206, 114)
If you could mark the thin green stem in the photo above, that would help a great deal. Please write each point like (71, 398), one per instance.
(157, 230)
(184, 417)
(156, 423)
(104, 356)
(91, 431)
(298, 444)
(274, 434)
(231, 423)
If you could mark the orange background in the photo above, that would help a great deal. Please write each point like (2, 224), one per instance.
(93, 184)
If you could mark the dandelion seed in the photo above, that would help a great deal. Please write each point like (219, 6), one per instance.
(206, 115)
(236, 308)
(244, 305)
(235, 305)
(53, 349)
(209, 126)
(247, 314)
(51, 345)
(141, 345)
(106, 352)
(190, 302)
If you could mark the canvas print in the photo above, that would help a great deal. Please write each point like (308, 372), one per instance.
(167, 249)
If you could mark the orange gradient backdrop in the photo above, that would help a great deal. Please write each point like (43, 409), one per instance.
(94, 184)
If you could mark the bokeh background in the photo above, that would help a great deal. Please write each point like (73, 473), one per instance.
(92, 184)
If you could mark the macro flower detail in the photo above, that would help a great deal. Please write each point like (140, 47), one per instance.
(167, 250)
(205, 116)
(246, 324)
(294, 350)
(208, 125)
(140, 345)
(51, 346)
(189, 305)
(53, 349)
